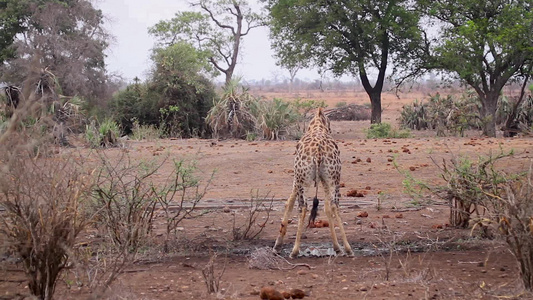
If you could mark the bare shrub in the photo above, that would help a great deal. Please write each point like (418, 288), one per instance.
(251, 228)
(350, 112)
(469, 184)
(179, 196)
(211, 278)
(42, 194)
(265, 259)
(43, 200)
(123, 202)
(513, 213)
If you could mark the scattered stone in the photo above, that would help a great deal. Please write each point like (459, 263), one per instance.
(362, 214)
(356, 193)
(226, 209)
(369, 160)
(286, 294)
(399, 216)
(268, 293)
(297, 294)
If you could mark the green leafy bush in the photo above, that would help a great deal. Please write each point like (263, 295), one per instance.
(443, 114)
(175, 99)
(231, 115)
(144, 132)
(105, 134)
(275, 118)
(385, 130)
(238, 114)
(340, 104)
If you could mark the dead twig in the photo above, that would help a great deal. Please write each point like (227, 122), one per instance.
(265, 259)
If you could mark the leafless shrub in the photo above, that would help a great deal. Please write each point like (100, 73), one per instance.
(513, 212)
(123, 202)
(250, 228)
(468, 183)
(179, 196)
(265, 259)
(351, 112)
(43, 200)
(211, 278)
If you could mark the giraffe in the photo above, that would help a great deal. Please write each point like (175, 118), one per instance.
(317, 160)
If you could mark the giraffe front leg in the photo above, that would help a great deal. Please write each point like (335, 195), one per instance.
(284, 223)
(301, 222)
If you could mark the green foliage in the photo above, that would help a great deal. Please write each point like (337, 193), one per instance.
(470, 184)
(414, 116)
(346, 37)
(457, 114)
(3, 122)
(238, 114)
(340, 104)
(105, 134)
(231, 115)
(512, 213)
(275, 118)
(483, 43)
(175, 99)
(443, 113)
(144, 132)
(66, 37)
(385, 130)
(216, 31)
(178, 195)
(13, 13)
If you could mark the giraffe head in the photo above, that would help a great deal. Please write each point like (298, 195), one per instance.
(320, 121)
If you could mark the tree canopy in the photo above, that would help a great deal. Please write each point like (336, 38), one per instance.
(346, 37)
(13, 15)
(216, 30)
(68, 38)
(483, 43)
(176, 98)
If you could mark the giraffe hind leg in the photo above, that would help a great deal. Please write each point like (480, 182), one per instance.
(285, 221)
(347, 247)
(302, 207)
(330, 215)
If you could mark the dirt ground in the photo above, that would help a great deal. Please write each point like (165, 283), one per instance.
(403, 250)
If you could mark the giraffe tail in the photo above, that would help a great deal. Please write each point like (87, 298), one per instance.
(314, 213)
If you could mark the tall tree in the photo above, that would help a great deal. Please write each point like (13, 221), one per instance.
(347, 37)
(217, 29)
(483, 43)
(176, 97)
(69, 39)
(13, 14)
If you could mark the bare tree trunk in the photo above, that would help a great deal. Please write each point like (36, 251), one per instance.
(511, 125)
(375, 100)
(489, 104)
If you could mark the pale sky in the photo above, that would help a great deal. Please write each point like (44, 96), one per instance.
(129, 55)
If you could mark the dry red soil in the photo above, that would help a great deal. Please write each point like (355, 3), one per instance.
(430, 260)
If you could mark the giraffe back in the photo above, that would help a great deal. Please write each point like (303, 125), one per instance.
(317, 154)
